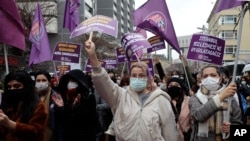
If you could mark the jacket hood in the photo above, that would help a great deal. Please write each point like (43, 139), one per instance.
(76, 75)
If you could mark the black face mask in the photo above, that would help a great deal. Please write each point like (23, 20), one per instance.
(13, 97)
(114, 79)
(174, 91)
(248, 82)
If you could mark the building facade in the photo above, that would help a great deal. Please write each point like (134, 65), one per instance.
(225, 25)
(118, 9)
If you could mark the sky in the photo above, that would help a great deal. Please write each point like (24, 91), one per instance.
(186, 15)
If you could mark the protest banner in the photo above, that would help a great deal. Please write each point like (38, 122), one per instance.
(97, 23)
(133, 44)
(121, 57)
(88, 67)
(157, 43)
(67, 52)
(110, 64)
(206, 48)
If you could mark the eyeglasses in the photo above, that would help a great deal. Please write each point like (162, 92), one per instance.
(138, 76)
(14, 86)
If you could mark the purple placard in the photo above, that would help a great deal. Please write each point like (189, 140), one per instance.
(149, 62)
(133, 42)
(98, 23)
(110, 64)
(121, 57)
(88, 67)
(206, 48)
(62, 69)
(157, 43)
(67, 52)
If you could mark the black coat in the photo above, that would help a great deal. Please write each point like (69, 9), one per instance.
(79, 122)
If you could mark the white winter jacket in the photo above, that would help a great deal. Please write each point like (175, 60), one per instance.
(154, 121)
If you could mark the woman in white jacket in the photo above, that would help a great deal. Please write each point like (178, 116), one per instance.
(139, 114)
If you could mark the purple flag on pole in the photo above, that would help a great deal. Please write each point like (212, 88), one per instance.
(227, 4)
(141, 31)
(11, 28)
(155, 17)
(40, 50)
(71, 14)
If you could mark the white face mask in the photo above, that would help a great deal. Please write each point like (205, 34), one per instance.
(118, 81)
(138, 84)
(243, 82)
(176, 76)
(72, 85)
(42, 85)
(210, 83)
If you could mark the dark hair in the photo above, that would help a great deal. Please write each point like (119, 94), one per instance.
(111, 71)
(225, 71)
(178, 80)
(125, 80)
(45, 73)
(218, 70)
(30, 99)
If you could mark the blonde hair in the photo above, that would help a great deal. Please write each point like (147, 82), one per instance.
(150, 82)
(141, 65)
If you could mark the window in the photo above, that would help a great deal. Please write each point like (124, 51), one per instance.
(228, 19)
(88, 8)
(228, 34)
(230, 49)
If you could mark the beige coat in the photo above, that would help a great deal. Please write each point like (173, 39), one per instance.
(133, 122)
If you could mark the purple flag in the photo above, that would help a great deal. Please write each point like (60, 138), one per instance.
(40, 50)
(155, 17)
(141, 31)
(11, 28)
(71, 14)
(227, 4)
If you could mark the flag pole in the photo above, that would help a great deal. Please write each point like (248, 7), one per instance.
(123, 68)
(185, 71)
(227, 116)
(137, 57)
(6, 58)
(55, 70)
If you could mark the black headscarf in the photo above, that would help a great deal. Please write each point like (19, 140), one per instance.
(77, 75)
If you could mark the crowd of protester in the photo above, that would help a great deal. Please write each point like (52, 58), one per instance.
(105, 106)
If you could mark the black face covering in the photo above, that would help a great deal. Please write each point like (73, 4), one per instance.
(71, 94)
(114, 79)
(248, 82)
(13, 97)
(174, 91)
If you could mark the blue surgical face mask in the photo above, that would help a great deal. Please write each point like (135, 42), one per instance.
(138, 84)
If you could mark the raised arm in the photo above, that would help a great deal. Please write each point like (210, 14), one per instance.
(90, 49)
